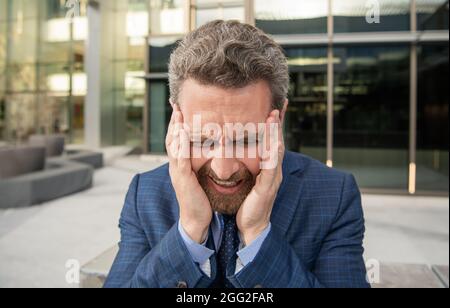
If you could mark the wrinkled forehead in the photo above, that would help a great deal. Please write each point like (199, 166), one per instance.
(251, 104)
(224, 118)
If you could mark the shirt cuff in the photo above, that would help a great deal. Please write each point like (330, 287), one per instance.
(247, 254)
(199, 252)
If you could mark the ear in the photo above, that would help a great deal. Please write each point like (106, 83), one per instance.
(283, 111)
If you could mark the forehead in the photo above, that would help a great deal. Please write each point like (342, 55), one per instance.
(251, 104)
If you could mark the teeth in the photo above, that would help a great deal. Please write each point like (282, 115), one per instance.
(225, 183)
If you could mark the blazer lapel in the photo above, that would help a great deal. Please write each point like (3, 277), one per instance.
(288, 197)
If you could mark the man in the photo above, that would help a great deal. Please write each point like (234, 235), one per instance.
(207, 219)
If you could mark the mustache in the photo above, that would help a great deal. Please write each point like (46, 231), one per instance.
(240, 175)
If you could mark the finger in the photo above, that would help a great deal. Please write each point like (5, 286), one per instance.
(273, 136)
(172, 120)
(173, 135)
(184, 159)
(173, 150)
(279, 145)
(266, 139)
(177, 124)
(169, 136)
(281, 151)
(270, 161)
(276, 130)
(173, 138)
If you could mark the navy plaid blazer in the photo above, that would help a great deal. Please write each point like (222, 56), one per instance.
(315, 241)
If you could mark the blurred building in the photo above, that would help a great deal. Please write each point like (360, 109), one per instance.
(368, 95)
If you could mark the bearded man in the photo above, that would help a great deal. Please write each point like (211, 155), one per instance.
(233, 209)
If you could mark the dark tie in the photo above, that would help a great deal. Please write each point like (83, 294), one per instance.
(228, 249)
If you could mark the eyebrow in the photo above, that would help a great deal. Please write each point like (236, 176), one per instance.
(203, 138)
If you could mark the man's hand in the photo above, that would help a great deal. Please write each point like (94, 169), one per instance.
(254, 215)
(195, 209)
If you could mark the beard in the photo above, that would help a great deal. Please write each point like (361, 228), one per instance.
(223, 203)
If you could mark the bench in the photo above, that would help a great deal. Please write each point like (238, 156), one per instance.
(59, 178)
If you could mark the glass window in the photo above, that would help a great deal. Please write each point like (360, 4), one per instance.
(137, 20)
(432, 14)
(22, 77)
(3, 10)
(55, 78)
(137, 28)
(2, 116)
(23, 43)
(23, 9)
(371, 114)
(134, 111)
(2, 78)
(20, 116)
(209, 10)
(160, 50)
(53, 109)
(134, 102)
(3, 49)
(134, 78)
(432, 118)
(306, 118)
(159, 115)
(291, 16)
(77, 119)
(54, 52)
(123, 89)
(167, 17)
(371, 16)
(55, 9)
(42, 56)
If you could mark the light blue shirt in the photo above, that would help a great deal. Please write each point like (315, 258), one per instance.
(201, 254)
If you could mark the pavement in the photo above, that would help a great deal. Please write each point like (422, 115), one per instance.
(37, 242)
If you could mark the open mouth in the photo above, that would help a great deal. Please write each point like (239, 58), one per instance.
(226, 187)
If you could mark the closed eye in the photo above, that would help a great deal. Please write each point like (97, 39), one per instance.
(205, 143)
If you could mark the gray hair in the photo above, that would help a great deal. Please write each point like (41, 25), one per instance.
(229, 54)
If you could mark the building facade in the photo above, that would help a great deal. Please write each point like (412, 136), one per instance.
(368, 77)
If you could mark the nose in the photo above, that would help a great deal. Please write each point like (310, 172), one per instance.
(224, 168)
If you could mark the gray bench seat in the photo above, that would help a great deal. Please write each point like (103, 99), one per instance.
(59, 178)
